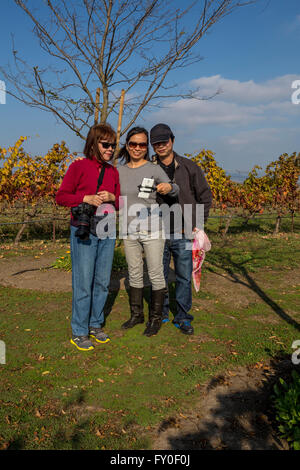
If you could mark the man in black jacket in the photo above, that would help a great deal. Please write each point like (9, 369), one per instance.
(194, 199)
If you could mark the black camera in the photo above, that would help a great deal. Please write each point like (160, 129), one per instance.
(82, 214)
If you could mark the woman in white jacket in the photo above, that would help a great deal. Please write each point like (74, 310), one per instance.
(140, 181)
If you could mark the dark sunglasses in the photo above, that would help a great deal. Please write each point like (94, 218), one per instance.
(134, 145)
(106, 145)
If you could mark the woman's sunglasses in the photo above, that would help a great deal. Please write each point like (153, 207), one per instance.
(106, 145)
(134, 145)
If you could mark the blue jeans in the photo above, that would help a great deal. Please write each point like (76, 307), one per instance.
(183, 265)
(91, 268)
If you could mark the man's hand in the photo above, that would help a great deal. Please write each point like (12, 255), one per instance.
(164, 188)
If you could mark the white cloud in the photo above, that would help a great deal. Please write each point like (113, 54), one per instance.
(241, 103)
(194, 112)
(257, 136)
(251, 92)
(250, 123)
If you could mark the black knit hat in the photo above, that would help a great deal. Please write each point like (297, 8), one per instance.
(160, 133)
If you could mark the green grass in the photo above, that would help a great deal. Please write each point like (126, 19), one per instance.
(119, 261)
(252, 252)
(55, 397)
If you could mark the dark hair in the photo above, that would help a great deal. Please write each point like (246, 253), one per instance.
(97, 133)
(123, 153)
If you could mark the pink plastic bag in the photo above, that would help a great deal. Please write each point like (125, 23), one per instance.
(201, 244)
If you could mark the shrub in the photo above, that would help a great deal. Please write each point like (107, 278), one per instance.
(287, 406)
(64, 262)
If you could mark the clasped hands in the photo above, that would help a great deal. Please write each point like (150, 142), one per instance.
(99, 198)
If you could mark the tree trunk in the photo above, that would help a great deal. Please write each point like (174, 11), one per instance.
(119, 123)
(53, 231)
(96, 118)
(104, 109)
(53, 222)
(19, 234)
(220, 224)
(278, 220)
(227, 225)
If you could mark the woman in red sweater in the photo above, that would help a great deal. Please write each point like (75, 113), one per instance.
(91, 185)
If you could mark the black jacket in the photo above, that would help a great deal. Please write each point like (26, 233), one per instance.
(193, 187)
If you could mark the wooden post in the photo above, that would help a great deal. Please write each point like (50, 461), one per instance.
(97, 105)
(53, 230)
(119, 124)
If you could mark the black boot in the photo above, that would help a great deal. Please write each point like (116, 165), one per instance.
(155, 314)
(136, 307)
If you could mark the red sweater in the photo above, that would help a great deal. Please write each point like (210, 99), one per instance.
(81, 180)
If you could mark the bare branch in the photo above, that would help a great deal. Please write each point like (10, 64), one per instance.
(110, 44)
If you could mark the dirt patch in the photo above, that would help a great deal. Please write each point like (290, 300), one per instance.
(34, 273)
(231, 412)
(37, 274)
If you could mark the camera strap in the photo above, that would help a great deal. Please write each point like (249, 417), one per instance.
(95, 219)
(100, 179)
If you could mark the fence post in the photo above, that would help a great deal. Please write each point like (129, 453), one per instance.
(119, 125)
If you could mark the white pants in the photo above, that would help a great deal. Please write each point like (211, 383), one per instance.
(153, 249)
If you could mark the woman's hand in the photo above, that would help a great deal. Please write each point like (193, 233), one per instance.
(106, 196)
(93, 199)
(164, 188)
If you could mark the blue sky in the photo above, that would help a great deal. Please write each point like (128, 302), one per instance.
(251, 56)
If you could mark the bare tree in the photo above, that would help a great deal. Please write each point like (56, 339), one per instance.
(111, 45)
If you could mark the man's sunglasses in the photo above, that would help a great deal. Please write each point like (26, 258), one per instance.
(134, 145)
(106, 145)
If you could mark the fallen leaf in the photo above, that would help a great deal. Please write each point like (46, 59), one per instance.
(99, 434)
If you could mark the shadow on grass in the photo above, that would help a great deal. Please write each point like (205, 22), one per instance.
(236, 271)
(241, 417)
(17, 444)
(75, 436)
(110, 301)
(66, 433)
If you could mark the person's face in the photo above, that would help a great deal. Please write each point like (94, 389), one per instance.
(137, 146)
(163, 149)
(106, 149)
